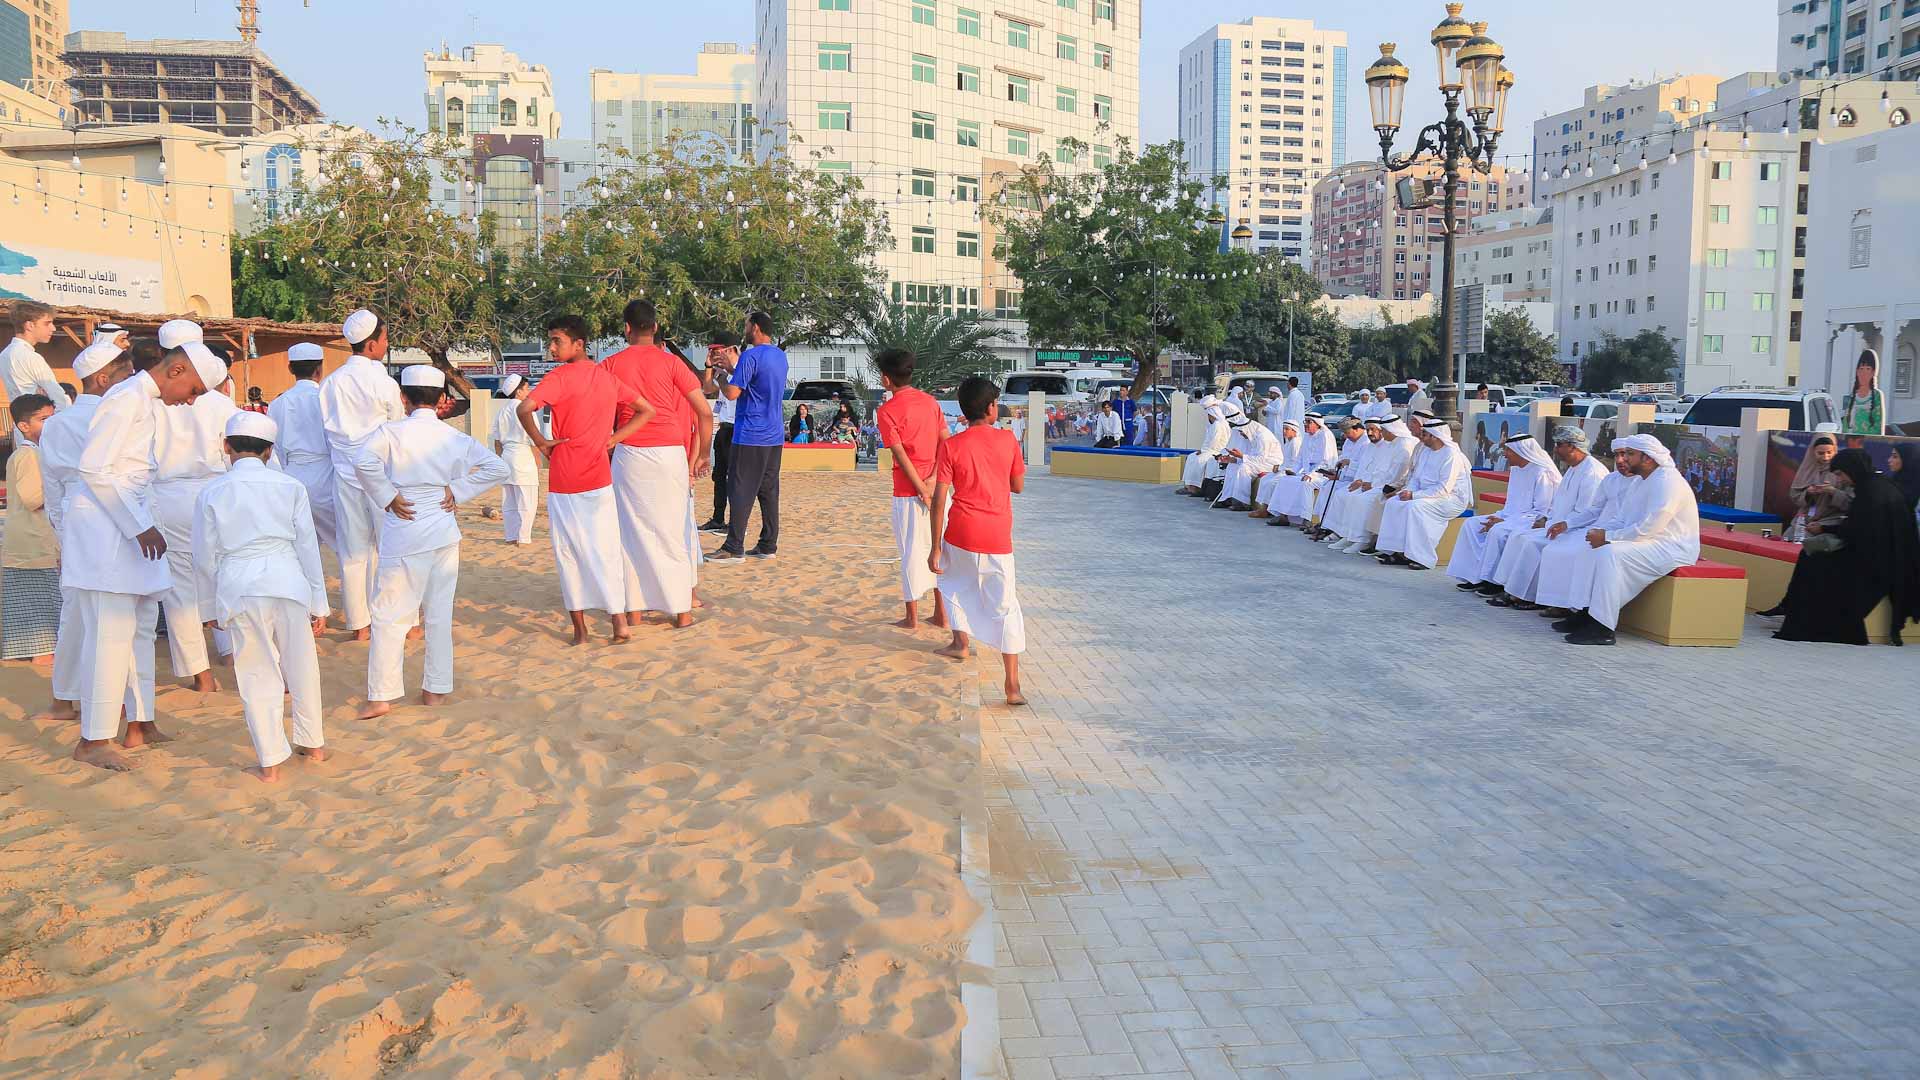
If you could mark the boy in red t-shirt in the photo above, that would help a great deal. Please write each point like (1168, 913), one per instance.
(913, 427)
(580, 504)
(982, 469)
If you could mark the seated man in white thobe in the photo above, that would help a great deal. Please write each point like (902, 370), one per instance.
(1551, 578)
(1532, 479)
(1290, 493)
(1441, 488)
(113, 555)
(1581, 477)
(1388, 466)
(418, 469)
(257, 559)
(1251, 453)
(1660, 532)
(1334, 475)
(1355, 456)
(1268, 488)
(301, 448)
(188, 452)
(1193, 472)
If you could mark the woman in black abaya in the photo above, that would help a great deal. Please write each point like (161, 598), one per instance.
(1878, 558)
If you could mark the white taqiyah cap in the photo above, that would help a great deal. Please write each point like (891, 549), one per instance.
(253, 425)
(178, 332)
(305, 352)
(511, 385)
(359, 326)
(94, 357)
(211, 369)
(423, 375)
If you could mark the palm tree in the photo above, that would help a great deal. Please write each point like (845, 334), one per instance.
(946, 348)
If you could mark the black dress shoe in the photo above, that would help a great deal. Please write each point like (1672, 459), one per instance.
(714, 526)
(1411, 565)
(1490, 588)
(1594, 634)
(1467, 586)
(1518, 604)
(1554, 613)
(1276, 522)
(1502, 600)
(1573, 622)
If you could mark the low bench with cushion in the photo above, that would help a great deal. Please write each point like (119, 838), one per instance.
(1746, 521)
(817, 457)
(1769, 566)
(1491, 502)
(1702, 604)
(1136, 464)
(1487, 480)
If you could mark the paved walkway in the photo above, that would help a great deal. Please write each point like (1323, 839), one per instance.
(1282, 813)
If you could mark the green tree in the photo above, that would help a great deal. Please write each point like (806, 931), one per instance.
(1516, 353)
(362, 231)
(946, 348)
(1408, 349)
(1648, 356)
(1120, 257)
(1283, 317)
(709, 242)
(1362, 373)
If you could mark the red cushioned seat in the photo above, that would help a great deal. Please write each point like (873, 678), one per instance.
(1495, 497)
(1706, 569)
(1751, 544)
(1489, 474)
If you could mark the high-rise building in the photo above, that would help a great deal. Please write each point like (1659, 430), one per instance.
(1263, 106)
(1707, 243)
(488, 90)
(1611, 122)
(228, 87)
(1365, 245)
(32, 36)
(1825, 39)
(1511, 253)
(642, 113)
(933, 103)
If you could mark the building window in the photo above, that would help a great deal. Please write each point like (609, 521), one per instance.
(923, 241)
(835, 166)
(1019, 143)
(1769, 170)
(833, 367)
(1763, 301)
(923, 69)
(966, 188)
(923, 12)
(533, 113)
(1066, 99)
(1065, 154)
(1103, 108)
(836, 116)
(1103, 9)
(968, 79)
(1070, 5)
(1019, 89)
(967, 22)
(1103, 57)
(1720, 214)
(923, 183)
(836, 5)
(1768, 215)
(1019, 35)
(1715, 301)
(509, 112)
(966, 132)
(1723, 170)
(923, 125)
(1713, 343)
(967, 245)
(836, 56)
(1066, 48)
(1762, 344)
(1716, 257)
(1766, 258)
(1102, 156)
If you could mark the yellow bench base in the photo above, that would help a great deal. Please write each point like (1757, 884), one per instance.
(885, 461)
(817, 459)
(1444, 552)
(1484, 486)
(1766, 578)
(1880, 626)
(1689, 611)
(1132, 468)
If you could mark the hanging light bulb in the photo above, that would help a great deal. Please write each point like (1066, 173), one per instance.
(1746, 139)
(1616, 166)
(75, 161)
(166, 197)
(83, 187)
(1643, 161)
(209, 202)
(129, 226)
(1886, 102)
(243, 168)
(395, 184)
(1589, 167)
(76, 213)
(123, 193)
(103, 221)
(1673, 155)
(163, 165)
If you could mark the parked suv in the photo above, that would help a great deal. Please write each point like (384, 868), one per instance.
(1806, 409)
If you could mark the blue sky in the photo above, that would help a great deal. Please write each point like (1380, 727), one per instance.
(362, 58)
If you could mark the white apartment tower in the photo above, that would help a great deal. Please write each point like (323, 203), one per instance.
(1826, 39)
(1611, 121)
(1263, 105)
(641, 113)
(487, 89)
(930, 102)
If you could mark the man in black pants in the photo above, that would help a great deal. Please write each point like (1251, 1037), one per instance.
(724, 348)
(757, 385)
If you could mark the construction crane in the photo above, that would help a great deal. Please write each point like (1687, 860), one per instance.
(249, 25)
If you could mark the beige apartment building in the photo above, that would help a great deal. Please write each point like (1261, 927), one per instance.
(1511, 253)
(1365, 245)
(1609, 122)
(640, 113)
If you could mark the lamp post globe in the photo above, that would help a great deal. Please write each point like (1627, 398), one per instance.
(1448, 38)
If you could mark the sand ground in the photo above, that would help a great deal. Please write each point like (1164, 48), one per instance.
(728, 851)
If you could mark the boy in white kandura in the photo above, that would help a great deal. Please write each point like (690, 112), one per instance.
(256, 555)
(418, 469)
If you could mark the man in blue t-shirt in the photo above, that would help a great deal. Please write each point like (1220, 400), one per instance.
(757, 385)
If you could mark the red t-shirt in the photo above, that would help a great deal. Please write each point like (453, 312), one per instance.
(665, 382)
(981, 464)
(583, 396)
(910, 426)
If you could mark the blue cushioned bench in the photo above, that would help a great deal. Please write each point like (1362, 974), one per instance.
(1138, 464)
(1749, 521)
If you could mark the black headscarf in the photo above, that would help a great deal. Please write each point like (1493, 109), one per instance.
(1908, 479)
(1881, 535)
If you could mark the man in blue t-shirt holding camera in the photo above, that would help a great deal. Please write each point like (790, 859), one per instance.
(757, 385)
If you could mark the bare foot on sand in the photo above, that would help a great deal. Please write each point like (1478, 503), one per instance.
(365, 633)
(203, 683)
(697, 602)
(908, 623)
(314, 754)
(953, 651)
(144, 733)
(1014, 696)
(428, 697)
(101, 755)
(375, 709)
(683, 620)
(266, 774)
